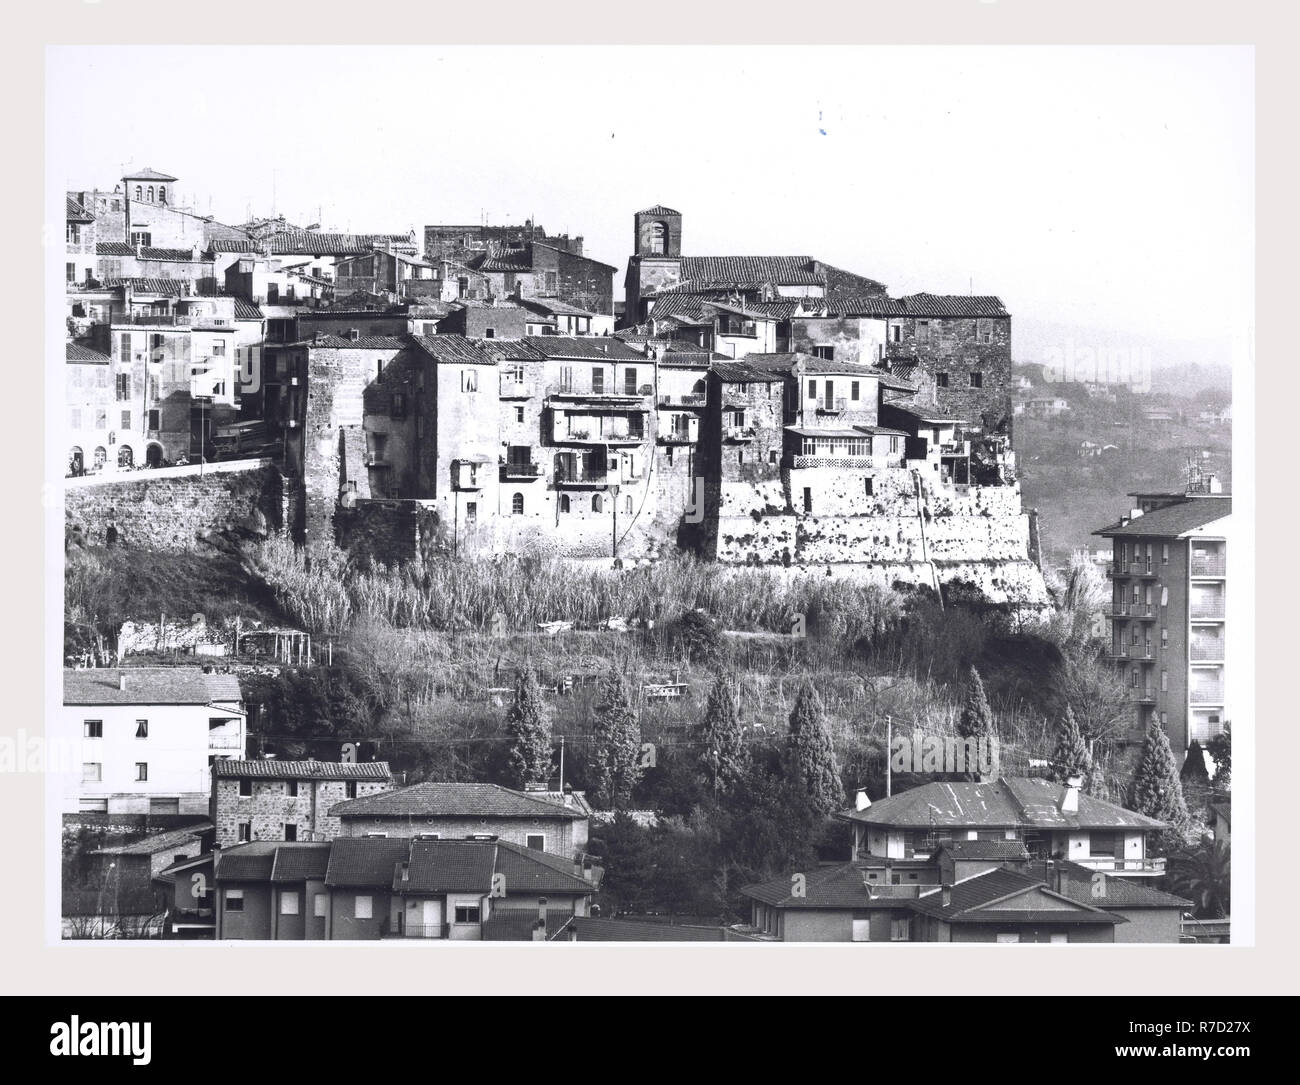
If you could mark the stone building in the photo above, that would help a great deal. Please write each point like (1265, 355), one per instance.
(287, 800)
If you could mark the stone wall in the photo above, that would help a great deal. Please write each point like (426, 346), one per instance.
(176, 509)
(271, 807)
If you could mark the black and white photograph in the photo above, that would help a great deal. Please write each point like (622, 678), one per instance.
(650, 494)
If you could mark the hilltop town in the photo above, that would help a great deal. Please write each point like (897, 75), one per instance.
(473, 600)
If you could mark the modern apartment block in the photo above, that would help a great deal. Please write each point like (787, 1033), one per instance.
(1168, 609)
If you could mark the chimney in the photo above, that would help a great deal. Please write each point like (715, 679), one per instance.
(139, 249)
(121, 681)
(1070, 800)
(945, 895)
(354, 334)
(860, 801)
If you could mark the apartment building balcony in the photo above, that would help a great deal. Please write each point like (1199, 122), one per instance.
(838, 405)
(513, 389)
(596, 436)
(800, 461)
(579, 477)
(521, 472)
(697, 402)
(739, 434)
(1142, 694)
(1116, 865)
(223, 743)
(1131, 610)
(1210, 567)
(1207, 611)
(1134, 651)
(1207, 653)
(620, 402)
(1207, 695)
(954, 448)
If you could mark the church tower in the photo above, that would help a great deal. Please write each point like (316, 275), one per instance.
(656, 260)
(658, 232)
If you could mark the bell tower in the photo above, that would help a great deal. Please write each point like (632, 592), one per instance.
(656, 260)
(658, 232)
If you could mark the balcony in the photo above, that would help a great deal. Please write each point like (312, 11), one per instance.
(1131, 610)
(1209, 694)
(522, 471)
(838, 405)
(1213, 565)
(1207, 652)
(1113, 865)
(739, 434)
(801, 461)
(596, 436)
(583, 476)
(955, 448)
(1142, 694)
(515, 389)
(1134, 651)
(615, 401)
(694, 401)
(217, 741)
(1211, 610)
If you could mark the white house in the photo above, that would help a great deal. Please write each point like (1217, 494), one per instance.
(144, 738)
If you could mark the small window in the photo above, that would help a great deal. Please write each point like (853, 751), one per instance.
(536, 841)
(519, 416)
(564, 502)
(1164, 554)
(245, 789)
(245, 831)
(92, 729)
(855, 391)
(812, 389)
(900, 930)
(828, 353)
(870, 487)
(467, 913)
(517, 505)
(771, 455)
(489, 333)
(597, 503)
(291, 788)
(976, 379)
(397, 406)
(1164, 681)
(941, 379)
(318, 903)
(290, 831)
(141, 728)
(350, 789)
(628, 506)
(91, 772)
(365, 907)
(141, 770)
(469, 380)
(234, 900)
(289, 902)
(72, 273)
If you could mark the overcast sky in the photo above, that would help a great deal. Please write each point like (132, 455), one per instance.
(1105, 194)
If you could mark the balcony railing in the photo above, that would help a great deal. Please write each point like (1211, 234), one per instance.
(521, 470)
(739, 433)
(225, 742)
(1211, 652)
(513, 389)
(1134, 651)
(845, 460)
(1212, 609)
(838, 405)
(1207, 694)
(1214, 565)
(1143, 694)
(683, 401)
(581, 476)
(1112, 863)
(1124, 609)
(955, 448)
(424, 930)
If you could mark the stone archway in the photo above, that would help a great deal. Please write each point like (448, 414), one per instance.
(76, 461)
(153, 454)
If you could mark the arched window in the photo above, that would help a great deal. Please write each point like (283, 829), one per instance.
(517, 504)
(597, 504)
(629, 504)
(139, 192)
(76, 461)
(151, 193)
(101, 456)
(162, 193)
(658, 238)
(697, 389)
(564, 502)
(125, 457)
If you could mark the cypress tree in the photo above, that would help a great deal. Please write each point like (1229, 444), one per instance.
(528, 730)
(617, 743)
(1156, 789)
(1072, 756)
(723, 743)
(810, 754)
(976, 719)
(1195, 779)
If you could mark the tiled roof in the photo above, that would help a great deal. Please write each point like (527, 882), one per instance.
(300, 770)
(830, 887)
(251, 862)
(529, 871)
(555, 306)
(246, 310)
(745, 373)
(148, 685)
(365, 860)
(508, 260)
(954, 305)
(447, 866)
(838, 305)
(986, 849)
(297, 862)
(1174, 520)
(1010, 802)
(232, 244)
(85, 356)
(151, 845)
(923, 413)
(77, 213)
(580, 348)
(750, 270)
(658, 209)
(174, 288)
(149, 253)
(147, 174)
(310, 242)
(434, 799)
(114, 248)
(992, 887)
(1079, 883)
(600, 929)
(450, 348)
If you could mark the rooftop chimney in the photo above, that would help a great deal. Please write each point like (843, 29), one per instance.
(860, 801)
(1070, 800)
(945, 895)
